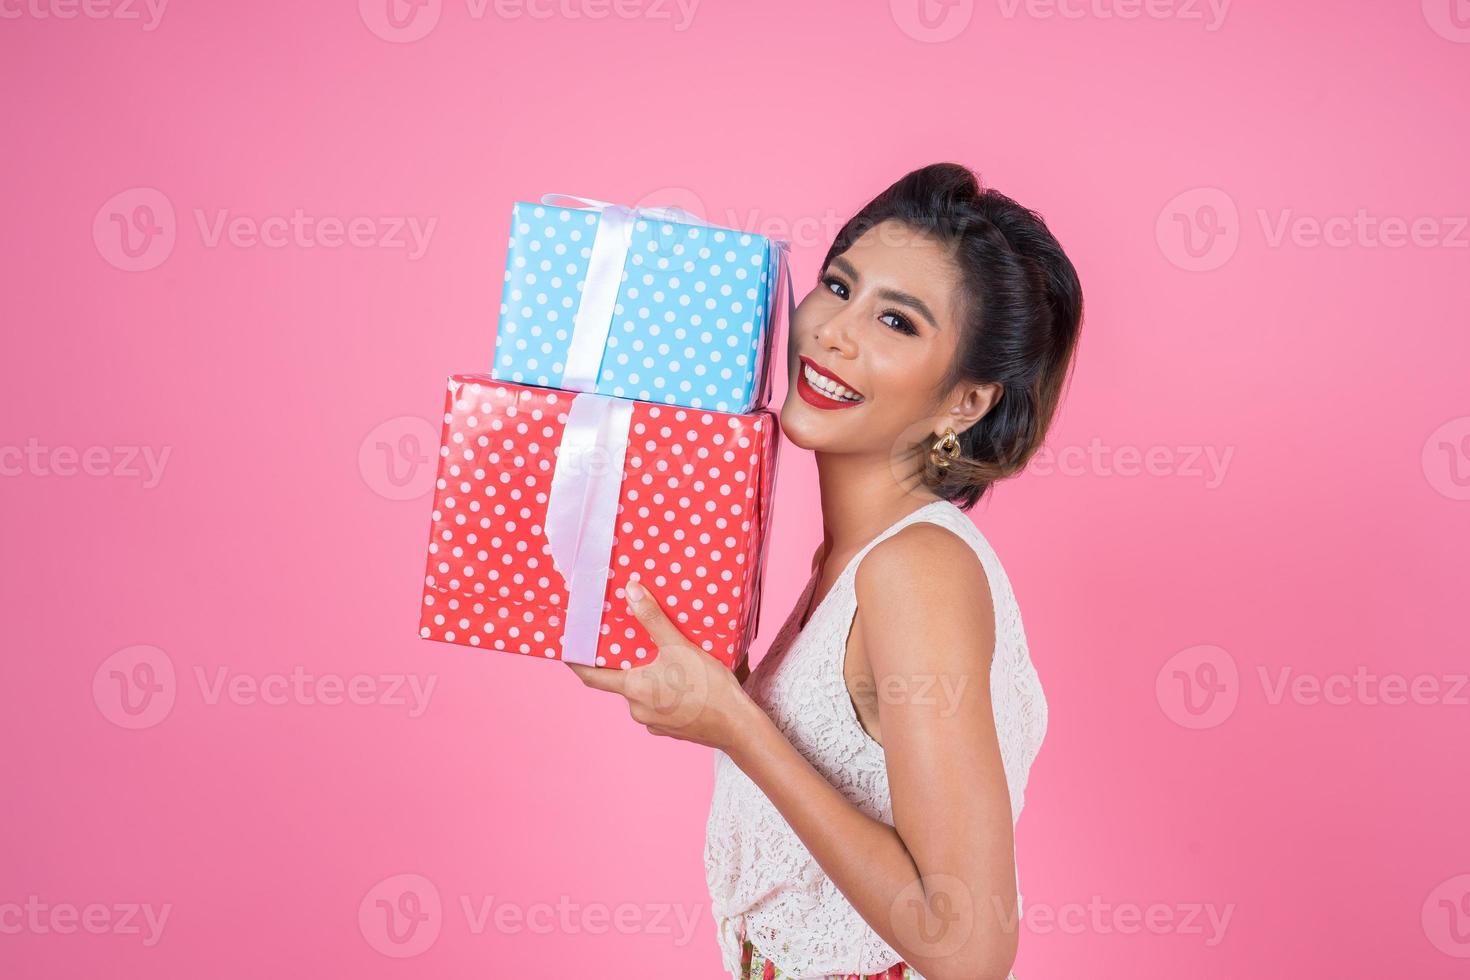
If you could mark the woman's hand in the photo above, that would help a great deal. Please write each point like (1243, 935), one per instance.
(684, 693)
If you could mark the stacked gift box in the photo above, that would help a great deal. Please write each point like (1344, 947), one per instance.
(621, 435)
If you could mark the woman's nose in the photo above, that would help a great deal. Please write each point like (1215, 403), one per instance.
(836, 333)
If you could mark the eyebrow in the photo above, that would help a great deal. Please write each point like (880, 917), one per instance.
(893, 295)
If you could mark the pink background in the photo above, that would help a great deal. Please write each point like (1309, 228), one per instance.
(1328, 380)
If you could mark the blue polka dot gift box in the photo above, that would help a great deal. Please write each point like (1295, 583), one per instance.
(650, 304)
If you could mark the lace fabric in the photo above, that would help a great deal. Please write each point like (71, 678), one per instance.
(763, 882)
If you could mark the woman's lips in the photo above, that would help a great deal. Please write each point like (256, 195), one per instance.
(829, 375)
(815, 398)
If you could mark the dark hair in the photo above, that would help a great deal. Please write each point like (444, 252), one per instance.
(1021, 314)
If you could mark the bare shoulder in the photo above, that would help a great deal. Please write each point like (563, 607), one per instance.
(924, 557)
(924, 590)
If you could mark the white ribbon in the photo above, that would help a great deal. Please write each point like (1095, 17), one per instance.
(660, 213)
(581, 513)
(581, 510)
(599, 297)
(594, 317)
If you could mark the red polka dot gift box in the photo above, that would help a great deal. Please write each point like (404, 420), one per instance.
(549, 502)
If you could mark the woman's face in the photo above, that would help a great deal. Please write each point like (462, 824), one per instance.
(884, 319)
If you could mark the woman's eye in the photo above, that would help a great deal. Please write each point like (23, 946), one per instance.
(898, 323)
(836, 286)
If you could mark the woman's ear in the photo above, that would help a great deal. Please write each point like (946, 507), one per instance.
(971, 405)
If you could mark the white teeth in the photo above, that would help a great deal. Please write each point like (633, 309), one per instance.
(828, 387)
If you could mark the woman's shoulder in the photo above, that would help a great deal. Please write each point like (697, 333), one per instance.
(927, 585)
(931, 557)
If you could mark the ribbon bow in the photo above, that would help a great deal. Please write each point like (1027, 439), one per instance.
(581, 512)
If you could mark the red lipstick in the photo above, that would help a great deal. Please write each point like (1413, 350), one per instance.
(816, 398)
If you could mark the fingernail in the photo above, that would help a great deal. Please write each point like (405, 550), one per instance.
(635, 592)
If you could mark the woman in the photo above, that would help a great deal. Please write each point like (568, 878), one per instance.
(871, 769)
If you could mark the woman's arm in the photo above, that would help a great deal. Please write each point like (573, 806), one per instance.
(939, 886)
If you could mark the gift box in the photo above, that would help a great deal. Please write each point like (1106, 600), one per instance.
(644, 303)
(548, 502)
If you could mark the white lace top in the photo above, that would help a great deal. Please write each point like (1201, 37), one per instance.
(756, 867)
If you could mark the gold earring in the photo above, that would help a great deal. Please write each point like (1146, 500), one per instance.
(945, 450)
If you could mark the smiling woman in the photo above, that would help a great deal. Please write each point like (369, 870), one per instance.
(938, 292)
(871, 768)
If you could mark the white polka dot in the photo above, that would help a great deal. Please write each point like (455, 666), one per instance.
(711, 277)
